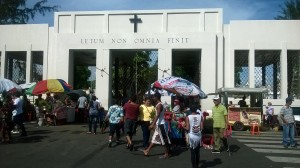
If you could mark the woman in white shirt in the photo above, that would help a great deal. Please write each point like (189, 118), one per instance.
(270, 113)
(194, 126)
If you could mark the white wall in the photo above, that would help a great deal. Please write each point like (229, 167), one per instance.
(265, 34)
(29, 37)
(261, 35)
(163, 30)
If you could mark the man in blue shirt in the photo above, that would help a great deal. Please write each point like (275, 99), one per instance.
(115, 116)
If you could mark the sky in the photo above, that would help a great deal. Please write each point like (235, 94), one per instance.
(232, 9)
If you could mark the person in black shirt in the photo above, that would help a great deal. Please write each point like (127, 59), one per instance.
(242, 102)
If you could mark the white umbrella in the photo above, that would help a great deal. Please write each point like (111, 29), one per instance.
(6, 85)
(27, 85)
(179, 86)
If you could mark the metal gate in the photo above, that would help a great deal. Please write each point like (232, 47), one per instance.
(132, 73)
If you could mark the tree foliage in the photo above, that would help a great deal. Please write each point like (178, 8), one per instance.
(82, 73)
(290, 10)
(135, 76)
(17, 11)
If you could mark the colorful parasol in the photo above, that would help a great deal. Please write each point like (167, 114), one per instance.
(49, 86)
(7, 85)
(179, 86)
(27, 85)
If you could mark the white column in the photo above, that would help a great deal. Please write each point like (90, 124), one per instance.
(106, 23)
(29, 64)
(45, 64)
(103, 77)
(61, 65)
(3, 58)
(165, 22)
(72, 23)
(229, 67)
(251, 65)
(165, 67)
(283, 71)
(220, 61)
(164, 62)
(202, 21)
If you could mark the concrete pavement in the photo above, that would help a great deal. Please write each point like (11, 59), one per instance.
(68, 146)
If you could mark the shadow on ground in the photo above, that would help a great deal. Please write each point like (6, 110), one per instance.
(234, 148)
(205, 163)
(29, 139)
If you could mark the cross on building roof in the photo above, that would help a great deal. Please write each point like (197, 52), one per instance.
(135, 21)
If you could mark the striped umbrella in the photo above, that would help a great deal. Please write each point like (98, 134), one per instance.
(49, 86)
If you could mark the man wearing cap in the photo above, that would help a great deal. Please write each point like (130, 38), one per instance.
(219, 115)
(288, 119)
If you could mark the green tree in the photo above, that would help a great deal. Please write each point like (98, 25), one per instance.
(180, 72)
(82, 73)
(135, 75)
(290, 10)
(17, 11)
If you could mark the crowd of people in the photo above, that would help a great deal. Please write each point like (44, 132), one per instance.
(151, 115)
(15, 108)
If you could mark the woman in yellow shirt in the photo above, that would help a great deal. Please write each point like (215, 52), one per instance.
(146, 113)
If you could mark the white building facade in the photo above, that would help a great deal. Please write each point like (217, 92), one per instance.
(222, 47)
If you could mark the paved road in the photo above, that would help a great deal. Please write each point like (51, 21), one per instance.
(68, 146)
(270, 145)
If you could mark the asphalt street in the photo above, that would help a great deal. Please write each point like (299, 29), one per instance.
(69, 146)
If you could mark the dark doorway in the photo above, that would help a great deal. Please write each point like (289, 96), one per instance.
(37, 66)
(82, 68)
(132, 73)
(186, 64)
(16, 66)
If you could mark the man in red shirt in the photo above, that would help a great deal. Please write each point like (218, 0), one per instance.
(132, 112)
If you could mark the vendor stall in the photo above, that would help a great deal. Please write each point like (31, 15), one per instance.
(240, 116)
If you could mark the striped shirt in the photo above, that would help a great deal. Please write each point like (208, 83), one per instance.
(218, 113)
(287, 113)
